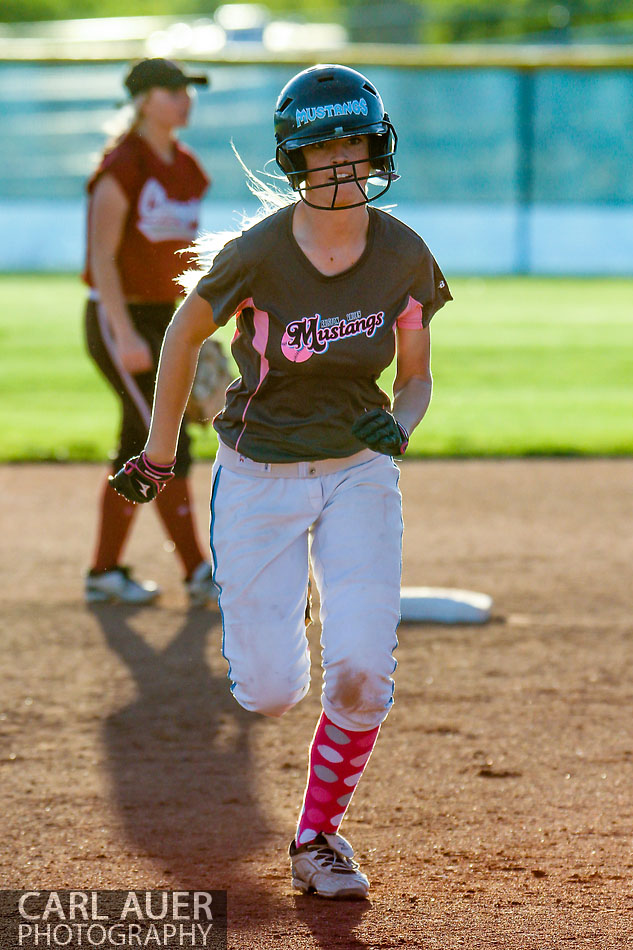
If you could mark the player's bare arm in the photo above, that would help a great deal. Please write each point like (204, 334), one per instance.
(388, 432)
(191, 325)
(107, 220)
(413, 383)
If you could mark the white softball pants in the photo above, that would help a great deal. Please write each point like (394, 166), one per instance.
(267, 522)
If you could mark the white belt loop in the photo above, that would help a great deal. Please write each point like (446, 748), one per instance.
(236, 462)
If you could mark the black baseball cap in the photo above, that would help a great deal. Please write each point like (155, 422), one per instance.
(148, 73)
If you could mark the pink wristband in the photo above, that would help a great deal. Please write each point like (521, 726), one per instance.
(154, 469)
(159, 475)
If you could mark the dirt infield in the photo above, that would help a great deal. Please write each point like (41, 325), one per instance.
(497, 809)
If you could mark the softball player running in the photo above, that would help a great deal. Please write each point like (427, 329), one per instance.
(144, 202)
(325, 292)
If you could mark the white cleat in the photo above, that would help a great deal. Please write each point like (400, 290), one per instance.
(200, 586)
(326, 867)
(118, 587)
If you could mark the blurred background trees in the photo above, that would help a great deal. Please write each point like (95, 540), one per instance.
(391, 21)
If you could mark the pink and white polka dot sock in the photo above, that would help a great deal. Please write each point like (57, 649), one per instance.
(337, 760)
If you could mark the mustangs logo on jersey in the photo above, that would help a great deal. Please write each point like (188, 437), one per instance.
(314, 334)
(312, 113)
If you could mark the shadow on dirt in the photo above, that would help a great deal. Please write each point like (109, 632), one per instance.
(332, 923)
(180, 756)
(185, 785)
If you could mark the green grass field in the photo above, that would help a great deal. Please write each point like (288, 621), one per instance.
(522, 366)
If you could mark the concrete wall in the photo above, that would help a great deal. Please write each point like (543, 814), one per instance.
(466, 239)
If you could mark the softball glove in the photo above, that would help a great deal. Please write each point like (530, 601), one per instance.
(209, 386)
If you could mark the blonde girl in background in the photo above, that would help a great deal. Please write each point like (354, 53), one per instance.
(143, 209)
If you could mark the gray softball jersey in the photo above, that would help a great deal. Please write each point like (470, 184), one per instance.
(310, 348)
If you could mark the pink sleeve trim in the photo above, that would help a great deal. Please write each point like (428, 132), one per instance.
(261, 322)
(411, 316)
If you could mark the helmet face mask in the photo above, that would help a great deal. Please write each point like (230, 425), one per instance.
(324, 103)
(324, 179)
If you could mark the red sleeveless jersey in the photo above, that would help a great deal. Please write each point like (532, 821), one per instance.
(163, 216)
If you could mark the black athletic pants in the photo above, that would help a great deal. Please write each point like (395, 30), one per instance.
(135, 392)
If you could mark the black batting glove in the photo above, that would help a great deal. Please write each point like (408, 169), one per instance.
(141, 480)
(381, 432)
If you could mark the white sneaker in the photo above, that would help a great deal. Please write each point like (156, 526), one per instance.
(117, 586)
(200, 586)
(326, 865)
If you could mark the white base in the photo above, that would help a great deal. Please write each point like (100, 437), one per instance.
(443, 605)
